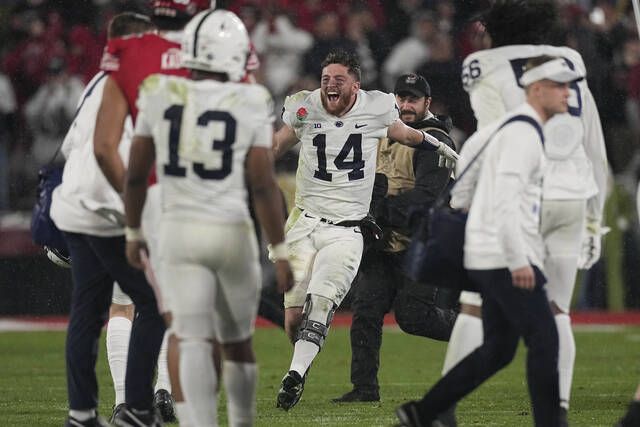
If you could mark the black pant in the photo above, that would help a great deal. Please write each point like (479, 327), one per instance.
(508, 313)
(381, 286)
(96, 263)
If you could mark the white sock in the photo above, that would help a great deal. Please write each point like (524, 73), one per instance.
(118, 333)
(303, 354)
(466, 336)
(183, 414)
(240, 382)
(198, 380)
(566, 356)
(162, 381)
(82, 415)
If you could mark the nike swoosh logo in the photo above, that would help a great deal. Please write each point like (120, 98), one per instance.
(360, 126)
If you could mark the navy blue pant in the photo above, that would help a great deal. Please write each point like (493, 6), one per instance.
(508, 313)
(96, 263)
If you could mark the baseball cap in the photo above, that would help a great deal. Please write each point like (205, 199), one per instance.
(413, 84)
(556, 70)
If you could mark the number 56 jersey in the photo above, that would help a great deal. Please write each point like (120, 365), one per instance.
(574, 145)
(337, 161)
(202, 132)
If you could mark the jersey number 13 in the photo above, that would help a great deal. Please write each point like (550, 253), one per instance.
(174, 115)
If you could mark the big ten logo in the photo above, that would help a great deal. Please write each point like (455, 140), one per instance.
(170, 59)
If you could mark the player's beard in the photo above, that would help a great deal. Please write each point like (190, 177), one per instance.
(336, 107)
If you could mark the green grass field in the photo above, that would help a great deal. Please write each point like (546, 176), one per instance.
(33, 390)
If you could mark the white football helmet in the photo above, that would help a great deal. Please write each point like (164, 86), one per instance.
(216, 41)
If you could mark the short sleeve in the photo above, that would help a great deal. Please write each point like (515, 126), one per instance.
(293, 110)
(260, 114)
(148, 87)
(392, 113)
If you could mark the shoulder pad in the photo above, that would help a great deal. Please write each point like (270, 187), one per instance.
(292, 100)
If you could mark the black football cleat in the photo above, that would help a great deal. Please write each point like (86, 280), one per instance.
(408, 415)
(290, 390)
(91, 422)
(116, 410)
(130, 417)
(163, 401)
(358, 395)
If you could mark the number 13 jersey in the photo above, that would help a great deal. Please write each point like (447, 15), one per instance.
(337, 161)
(202, 132)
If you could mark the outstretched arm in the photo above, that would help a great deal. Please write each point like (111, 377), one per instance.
(405, 135)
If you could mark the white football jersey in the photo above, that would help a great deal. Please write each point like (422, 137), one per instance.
(574, 145)
(337, 162)
(202, 131)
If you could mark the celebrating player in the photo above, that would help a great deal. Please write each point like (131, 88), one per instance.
(339, 126)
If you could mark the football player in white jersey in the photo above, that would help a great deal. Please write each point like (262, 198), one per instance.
(338, 126)
(575, 181)
(207, 134)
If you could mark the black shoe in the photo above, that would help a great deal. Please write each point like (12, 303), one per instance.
(91, 422)
(130, 417)
(448, 417)
(408, 415)
(116, 410)
(358, 395)
(564, 417)
(632, 417)
(165, 404)
(290, 390)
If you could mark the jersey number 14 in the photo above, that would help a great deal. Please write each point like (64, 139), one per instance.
(353, 143)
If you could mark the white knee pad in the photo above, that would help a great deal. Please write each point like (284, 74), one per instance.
(316, 317)
(194, 326)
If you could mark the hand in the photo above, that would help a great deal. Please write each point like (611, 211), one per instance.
(133, 253)
(448, 156)
(591, 244)
(284, 276)
(524, 278)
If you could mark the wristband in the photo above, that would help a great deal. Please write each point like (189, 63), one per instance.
(133, 234)
(278, 252)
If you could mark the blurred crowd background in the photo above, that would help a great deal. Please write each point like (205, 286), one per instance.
(49, 49)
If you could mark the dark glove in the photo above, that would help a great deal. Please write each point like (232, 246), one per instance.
(371, 232)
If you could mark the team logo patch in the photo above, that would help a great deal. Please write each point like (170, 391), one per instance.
(302, 113)
(411, 79)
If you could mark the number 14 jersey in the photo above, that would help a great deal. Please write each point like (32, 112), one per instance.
(337, 162)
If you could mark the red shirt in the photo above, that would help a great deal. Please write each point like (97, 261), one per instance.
(129, 60)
